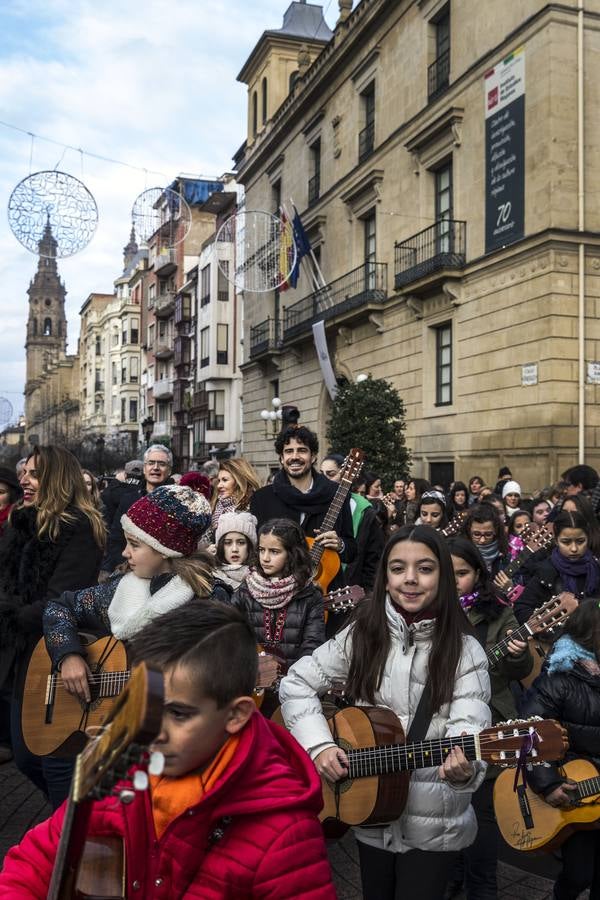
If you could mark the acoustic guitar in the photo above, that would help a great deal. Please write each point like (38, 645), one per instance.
(326, 563)
(545, 619)
(534, 539)
(528, 823)
(376, 788)
(54, 721)
(96, 868)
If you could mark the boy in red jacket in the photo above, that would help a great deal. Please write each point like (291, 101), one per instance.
(234, 814)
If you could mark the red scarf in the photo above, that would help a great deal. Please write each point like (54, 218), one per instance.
(429, 612)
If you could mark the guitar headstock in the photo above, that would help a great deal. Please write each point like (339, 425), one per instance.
(454, 526)
(539, 740)
(133, 722)
(352, 466)
(553, 613)
(343, 598)
(536, 537)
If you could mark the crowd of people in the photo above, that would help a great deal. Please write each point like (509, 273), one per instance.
(209, 577)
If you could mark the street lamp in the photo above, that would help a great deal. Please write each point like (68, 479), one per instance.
(148, 428)
(272, 417)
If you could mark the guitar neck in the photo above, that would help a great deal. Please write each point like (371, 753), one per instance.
(518, 561)
(500, 650)
(385, 760)
(70, 849)
(588, 787)
(331, 517)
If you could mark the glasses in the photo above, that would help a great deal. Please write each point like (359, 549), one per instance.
(482, 535)
(157, 462)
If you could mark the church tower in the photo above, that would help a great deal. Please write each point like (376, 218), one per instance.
(46, 341)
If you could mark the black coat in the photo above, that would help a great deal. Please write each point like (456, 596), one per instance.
(369, 550)
(304, 628)
(572, 697)
(112, 495)
(34, 571)
(267, 503)
(541, 588)
(116, 539)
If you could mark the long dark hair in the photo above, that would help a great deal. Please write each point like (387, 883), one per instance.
(583, 625)
(485, 512)
(584, 506)
(566, 519)
(427, 499)
(452, 507)
(291, 536)
(487, 603)
(371, 638)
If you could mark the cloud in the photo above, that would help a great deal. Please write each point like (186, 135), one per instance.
(152, 84)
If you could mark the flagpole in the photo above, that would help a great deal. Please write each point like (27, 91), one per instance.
(316, 275)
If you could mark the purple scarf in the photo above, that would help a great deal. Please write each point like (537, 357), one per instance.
(570, 569)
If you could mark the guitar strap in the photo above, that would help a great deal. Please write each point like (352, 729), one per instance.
(422, 718)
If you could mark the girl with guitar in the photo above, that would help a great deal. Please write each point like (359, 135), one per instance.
(279, 599)
(409, 634)
(569, 690)
(493, 619)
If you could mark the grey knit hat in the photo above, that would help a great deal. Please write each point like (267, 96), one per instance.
(242, 522)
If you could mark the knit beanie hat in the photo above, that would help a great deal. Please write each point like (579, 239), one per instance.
(198, 482)
(171, 519)
(511, 487)
(242, 522)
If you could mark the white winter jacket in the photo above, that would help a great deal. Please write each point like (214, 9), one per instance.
(437, 815)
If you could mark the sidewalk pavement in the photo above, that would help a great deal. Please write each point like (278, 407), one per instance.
(22, 806)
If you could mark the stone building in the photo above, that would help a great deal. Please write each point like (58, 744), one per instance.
(445, 159)
(52, 377)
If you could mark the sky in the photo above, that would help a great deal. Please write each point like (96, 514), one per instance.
(151, 84)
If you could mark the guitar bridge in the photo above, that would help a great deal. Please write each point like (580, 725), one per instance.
(524, 806)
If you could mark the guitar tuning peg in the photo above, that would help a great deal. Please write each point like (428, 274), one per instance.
(140, 780)
(156, 764)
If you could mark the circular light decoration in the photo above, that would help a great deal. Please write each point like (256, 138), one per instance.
(256, 250)
(6, 411)
(163, 215)
(57, 199)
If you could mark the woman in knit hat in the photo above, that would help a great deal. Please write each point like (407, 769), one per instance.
(236, 547)
(511, 495)
(165, 571)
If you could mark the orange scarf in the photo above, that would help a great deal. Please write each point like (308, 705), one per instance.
(172, 796)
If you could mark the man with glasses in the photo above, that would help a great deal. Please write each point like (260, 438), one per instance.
(158, 462)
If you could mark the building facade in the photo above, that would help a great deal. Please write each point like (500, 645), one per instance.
(445, 163)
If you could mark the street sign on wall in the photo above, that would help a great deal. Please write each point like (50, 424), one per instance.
(505, 151)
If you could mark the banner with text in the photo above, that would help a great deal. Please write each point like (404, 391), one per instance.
(505, 152)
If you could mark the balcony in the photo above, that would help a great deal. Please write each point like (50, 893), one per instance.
(200, 401)
(366, 142)
(438, 75)
(436, 249)
(265, 338)
(163, 350)
(348, 297)
(165, 263)
(164, 304)
(163, 389)
(314, 188)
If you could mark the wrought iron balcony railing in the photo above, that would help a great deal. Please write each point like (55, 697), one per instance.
(265, 337)
(438, 75)
(441, 246)
(356, 289)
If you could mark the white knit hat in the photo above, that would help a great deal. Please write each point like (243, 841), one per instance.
(242, 522)
(511, 487)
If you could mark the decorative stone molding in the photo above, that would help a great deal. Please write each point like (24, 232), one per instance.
(415, 305)
(345, 7)
(453, 292)
(436, 138)
(362, 194)
(376, 319)
(346, 334)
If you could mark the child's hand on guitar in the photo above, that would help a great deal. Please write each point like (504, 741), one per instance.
(562, 797)
(269, 670)
(456, 768)
(75, 674)
(332, 764)
(329, 540)
(503, 582)
(515, 648)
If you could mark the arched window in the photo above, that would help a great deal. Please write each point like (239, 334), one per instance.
(254, 114)
(34, 326)
(264, 100)
(47, 327)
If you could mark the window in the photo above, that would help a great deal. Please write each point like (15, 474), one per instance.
(134, 369)
(292, 80)
(276, 196)
(98, 381)
(264, 100)
(366, 138)
(223, 284)
(115, 405)
(124, 326)
(443, 364)
(216, 410)
(204, 347)
(115, 374)
(314, 183)
(47, 327)
(98, 345)
(133, 410)
(151, 336)
(98, 405)
(443, 207)
(438, 74)
(135, 331)
(123, 410)
(124, 371)
(222, 344)
(114, 340)
(254, 113)
(205, 286)
(369, 225)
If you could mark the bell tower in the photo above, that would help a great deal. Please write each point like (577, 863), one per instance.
(46, 340)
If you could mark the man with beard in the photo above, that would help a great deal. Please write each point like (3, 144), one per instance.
(300, 493)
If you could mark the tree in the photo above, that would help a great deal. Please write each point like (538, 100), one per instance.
(370, 414)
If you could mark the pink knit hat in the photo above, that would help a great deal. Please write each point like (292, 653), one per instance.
(171, 519)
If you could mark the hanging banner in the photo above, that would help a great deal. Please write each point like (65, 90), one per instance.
(322, 349)
(505, 152)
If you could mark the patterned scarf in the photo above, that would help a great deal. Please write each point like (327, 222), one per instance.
(223, 505)
(232, 575)
(272, 593)
(469, 600)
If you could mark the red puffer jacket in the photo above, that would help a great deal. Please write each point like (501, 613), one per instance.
(256, 834)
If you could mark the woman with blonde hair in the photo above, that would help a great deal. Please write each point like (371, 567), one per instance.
(53, 543)
(236, 483)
